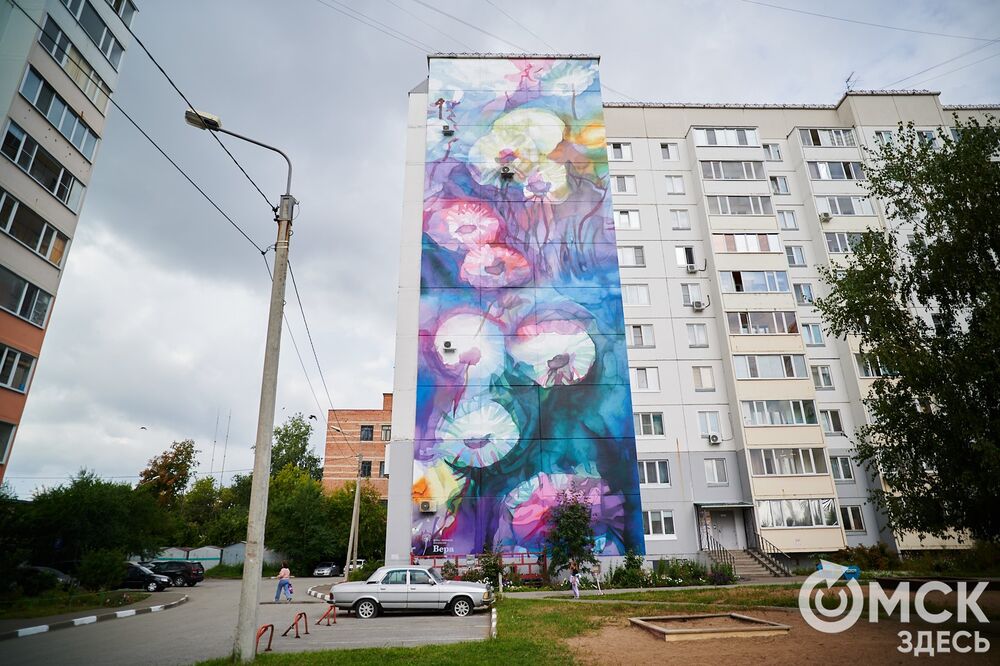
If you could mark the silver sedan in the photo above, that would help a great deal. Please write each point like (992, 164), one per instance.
(398, 588)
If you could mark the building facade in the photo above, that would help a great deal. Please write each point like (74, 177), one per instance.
(350, 432)
(59, 63)
(743, 405)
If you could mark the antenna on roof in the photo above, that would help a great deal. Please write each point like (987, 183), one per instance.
(850, 81)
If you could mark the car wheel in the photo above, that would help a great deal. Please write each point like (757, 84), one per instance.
(179, 581)
(461, 607)
(152, 586)
(366, 609)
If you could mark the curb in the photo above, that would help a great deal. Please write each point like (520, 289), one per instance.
(88, 619)
(319, 595)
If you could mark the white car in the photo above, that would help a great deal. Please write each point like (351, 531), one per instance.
(398, 588)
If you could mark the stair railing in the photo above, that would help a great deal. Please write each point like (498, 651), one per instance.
(770, 554)
(719, 553)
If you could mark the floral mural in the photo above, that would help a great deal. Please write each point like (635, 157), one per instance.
(522, 379)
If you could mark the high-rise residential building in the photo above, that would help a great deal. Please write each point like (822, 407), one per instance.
(742, 404)
(350, 432)
(59, 63)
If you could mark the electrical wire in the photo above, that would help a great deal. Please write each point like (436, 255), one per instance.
(469, 25)
(302, 310)
(372, 23)
(522, 26)
(430, 25)
(944, 62)
(952, 71)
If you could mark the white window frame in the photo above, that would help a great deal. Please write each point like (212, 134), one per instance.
(657, 466)
(738, 137)
(49, 238)
(709, 423)
(838, 206)
(6, 440)
(749, 366)
(680, 219)
(627, 219)
(841, 468)
(631, 256)
(703, 378)
(691, 292)
(796, 255)
(712, 468)
(696, 333)
(775, 461)
(811, 340)
(852, 517)
(784, 216)
(804, 294)
(723, 204)
(623, 184)
(669, 151)
(779, 185)
(622, 147)
(822, 376)
(674, 184)
(641, 291)
(772, 152)
(827, 417)
(664, 515)
(11, 359)
(758, 413)
(645, 333)
(639, 419)
(780, 322)
(645, 379)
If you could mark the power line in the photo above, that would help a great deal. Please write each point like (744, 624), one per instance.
(868, 23)
(952, 71)
(469, 25)
(372, 23)
(522, 26)
(945, 62)
(141, 130)
(302, 310)
(430, 25)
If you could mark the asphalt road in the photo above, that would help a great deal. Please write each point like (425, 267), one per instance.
(204, 628)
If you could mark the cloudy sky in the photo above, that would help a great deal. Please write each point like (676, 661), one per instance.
(160, 318)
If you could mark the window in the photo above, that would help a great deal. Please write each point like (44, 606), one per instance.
(753, 282)
(386, 433)
(97, 30)
(626, 219)
(21, 298)
(675, 184)
(787, 462)
(739, 205)
(851, 515)
(397, 577)
(680, 219)
(938, 323)
(797, 513)
(635, 294)
(762, 323)
(640, 335)
(27, 227)
(658, 524)
(813, 335)
(836, 171)
(43, 167)
(15, 369)
(841, 242)
(778, 412)
(769, 366)
(796, 255)
(684, 255)
(787, 221)
(690, 292)
(124, 9)
(704, 378)
(669, 152)
(366, 469)
(884, 137)
(746, 243)
(803, 293)
(830, 419)
(73, 63)
(827, 137)
(654, 472)
(840, 467)
(648, 424)
(772, 152)
(779, 184)
(732, 170)
(631, 257)
(619, 152)
(725, 136)
(871, 366)
(623, 184)
(381, 469)
(644, 379)
(43, 97)
(822, 377)
(708, 424)
(928, 137)
(844, 205)
(715, 472)
(697, 335)
(418, 577)
(367, 433)
(6, 437)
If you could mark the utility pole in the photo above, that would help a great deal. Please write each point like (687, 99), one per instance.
(352, 540)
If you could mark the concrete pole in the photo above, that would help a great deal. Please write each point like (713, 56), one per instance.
(246, 624)
(352, 540)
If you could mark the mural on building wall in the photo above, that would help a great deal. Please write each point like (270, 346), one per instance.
(522, 380)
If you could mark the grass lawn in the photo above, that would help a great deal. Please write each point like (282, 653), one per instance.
(739, 597)
(65, 602)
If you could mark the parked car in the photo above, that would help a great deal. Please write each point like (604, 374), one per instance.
(63, 578)
(325, 569)
(398, 588)
(180, 572)
(139, 577)
(359, 564)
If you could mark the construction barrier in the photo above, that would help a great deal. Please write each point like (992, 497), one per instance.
(331, 612)
(260, 632)
(295, 625)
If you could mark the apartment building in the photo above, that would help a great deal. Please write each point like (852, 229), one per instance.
(350, 432)
(743, 405)
(59, 63)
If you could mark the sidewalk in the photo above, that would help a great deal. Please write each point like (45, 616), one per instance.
(99, 614)
(541, 594)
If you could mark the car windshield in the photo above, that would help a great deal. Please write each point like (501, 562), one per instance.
(143, 569)
(435, 575)
(323, 565)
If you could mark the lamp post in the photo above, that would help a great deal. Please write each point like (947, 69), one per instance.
(246, 624)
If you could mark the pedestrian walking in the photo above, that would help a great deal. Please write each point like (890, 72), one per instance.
(574, 579)
(284, 584)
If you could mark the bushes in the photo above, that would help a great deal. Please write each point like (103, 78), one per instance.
(868, 558)
(721, 574)
(631, 573)
(101, 569)
(449, 570)
(367, 570)
(31, 582)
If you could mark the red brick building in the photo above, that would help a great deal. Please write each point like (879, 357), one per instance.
(364, 431)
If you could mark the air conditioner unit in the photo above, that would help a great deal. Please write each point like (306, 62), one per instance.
(506, 172)
(447, 130)
(825, 217)
(699, 305)
(692, 268)
(714, 439)
(428, 506)
(449, 348)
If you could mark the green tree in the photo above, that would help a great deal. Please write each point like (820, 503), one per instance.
(371, 522)
(199, 508)
(229, 524)
(167, 475)
(291, 448)
(298, 518)
(571, 534)
(14, 532)
(935, 409)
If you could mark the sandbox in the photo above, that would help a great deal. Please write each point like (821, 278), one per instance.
(714, 625)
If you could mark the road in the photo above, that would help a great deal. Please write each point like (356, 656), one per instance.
(204, 628)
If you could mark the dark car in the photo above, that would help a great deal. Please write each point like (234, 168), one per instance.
(180, 572)
(138, 576)
(63, 578)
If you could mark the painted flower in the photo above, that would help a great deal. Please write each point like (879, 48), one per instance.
(558, 352)
(478, 434)
(435, 481)
(463, 224)
(470, 343)
(493, 266)
(569, 77)
(522, 141)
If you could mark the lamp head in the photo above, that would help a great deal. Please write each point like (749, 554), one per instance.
(203, 120)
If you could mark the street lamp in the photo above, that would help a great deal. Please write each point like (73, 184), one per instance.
(246, 625)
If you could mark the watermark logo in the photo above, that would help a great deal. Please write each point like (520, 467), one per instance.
(830, 620)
